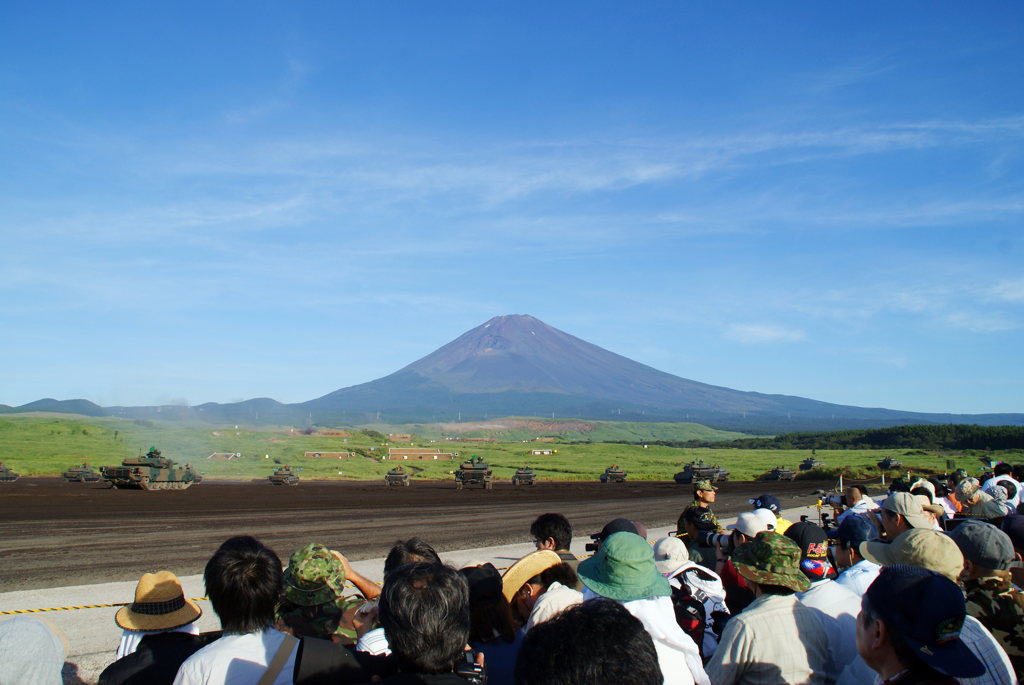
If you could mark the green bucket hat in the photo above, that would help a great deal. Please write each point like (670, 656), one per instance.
(314, 576)
(623, 569)
(771, 559)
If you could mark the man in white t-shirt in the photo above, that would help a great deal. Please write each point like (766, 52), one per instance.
(243, 581)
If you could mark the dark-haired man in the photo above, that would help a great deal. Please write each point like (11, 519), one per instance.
(243, 581)
(595, 642)
(554, 532)
(424, 609)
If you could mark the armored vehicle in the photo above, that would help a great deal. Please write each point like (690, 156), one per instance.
(810, 463)
(698, 470)
(81, 474)
(889, 464)
(613, 474)
(780, 473)
(524, 476)
(397, 476)
(6, 475)
(284, 475)
(151, 471)
(473, 471)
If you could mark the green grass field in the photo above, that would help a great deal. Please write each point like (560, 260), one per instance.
(35, 445)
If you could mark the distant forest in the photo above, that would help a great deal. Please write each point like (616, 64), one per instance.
(925, 437)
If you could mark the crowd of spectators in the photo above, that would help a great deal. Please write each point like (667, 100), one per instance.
(921, 586)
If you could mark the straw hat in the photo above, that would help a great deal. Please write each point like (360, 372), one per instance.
(160, 604)
(529, 566)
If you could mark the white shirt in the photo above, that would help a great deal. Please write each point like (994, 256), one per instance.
(776, 639)
(841, 605)
(556, 599)
(237, 660)
(996, 480)
(858, 577)
(864, 505)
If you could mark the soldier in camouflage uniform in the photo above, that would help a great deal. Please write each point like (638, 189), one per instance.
(704, 494)
(991, 597)
(314, 601)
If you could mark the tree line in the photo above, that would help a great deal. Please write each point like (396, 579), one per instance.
(926, 437)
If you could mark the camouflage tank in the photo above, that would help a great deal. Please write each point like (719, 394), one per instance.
(151, 471)
(284, 475)
(397, 476)
(780, 473)
(889, 464)
(6, 475)
(473, 471)
(613, 474)
(699, 470)
(524, 476)
(81, 474)
(810, 463)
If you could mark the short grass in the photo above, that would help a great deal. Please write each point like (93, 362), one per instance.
(48, 444)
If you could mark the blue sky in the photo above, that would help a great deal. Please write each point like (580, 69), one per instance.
(218, 201)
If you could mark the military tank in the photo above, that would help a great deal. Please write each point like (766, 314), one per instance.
(81, 474)
(150, 471)
(699, 470)
(284, 475)
(474, 471)
(889, 464)
(524, 476)
(397, 476)
(810, 463)
(6, 475)
(613, 474)
(780, 473)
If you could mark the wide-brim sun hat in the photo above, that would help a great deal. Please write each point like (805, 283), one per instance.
(529, 566)
(623, 569)
(921, 547)
(160, 604)
(771, 559)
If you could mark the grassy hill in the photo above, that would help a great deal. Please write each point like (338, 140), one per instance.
(48, 444)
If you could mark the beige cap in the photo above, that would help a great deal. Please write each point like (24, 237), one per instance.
(908, 506)
(669, 555)
(930, 549)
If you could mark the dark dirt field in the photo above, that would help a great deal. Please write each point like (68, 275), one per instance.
(56, 534)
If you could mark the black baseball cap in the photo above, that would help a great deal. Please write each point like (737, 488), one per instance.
(770, 502)
(620, 525)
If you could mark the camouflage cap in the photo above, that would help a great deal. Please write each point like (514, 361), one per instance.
(314, 576)
(705, 485)
(771, 559)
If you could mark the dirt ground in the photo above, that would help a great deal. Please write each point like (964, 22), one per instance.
(56, 534)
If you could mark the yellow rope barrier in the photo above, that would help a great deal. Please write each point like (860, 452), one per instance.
(83, 606)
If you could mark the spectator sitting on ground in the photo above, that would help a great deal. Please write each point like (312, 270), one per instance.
(314, 602)
(696, 526)
(909, 628)
(492, 628)
(31, 651)
(413, 550)
(901, 512)
(690, 581)
(991, 597)
(538, 586)
(858, 502)
(857, 573)
(243, 581)
(623, 570)
(776, 639)
(554, 532)
(1013, 526)
(935, 551)
(596, 642)
(159, 633)
(976, 502)
(772, 504)
(424, 609)
(738, 594)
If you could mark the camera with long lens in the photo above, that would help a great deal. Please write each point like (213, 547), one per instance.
(835, 500)
(712, 539)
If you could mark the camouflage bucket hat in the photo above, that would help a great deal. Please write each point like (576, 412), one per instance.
(314, 576)
(771, 559)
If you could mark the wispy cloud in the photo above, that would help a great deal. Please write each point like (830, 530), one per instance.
(764, 333)
(1009, 291)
